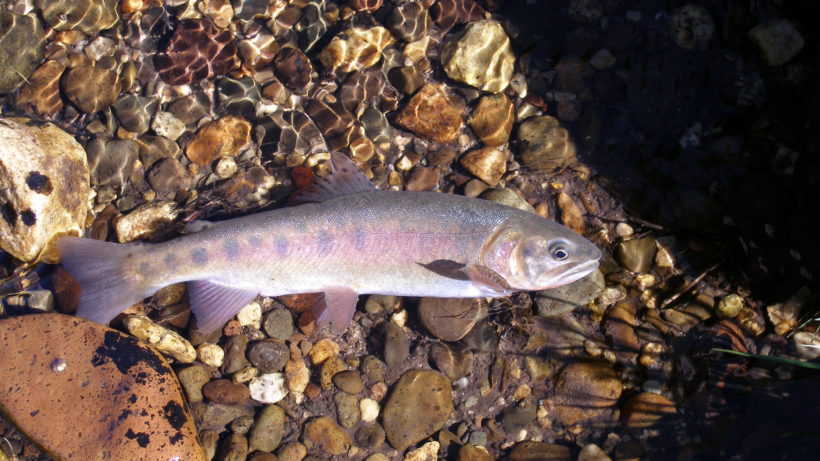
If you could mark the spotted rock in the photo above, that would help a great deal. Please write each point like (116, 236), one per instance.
(356, 48)
(409, 21)
(292, 67)
(42, 92)
(87, 16)
(545, 144)
(480, 56)
(197, 50)
(433, 113)
(91, 88)
(226, 136)
(448, 13)
(70, 380)
(45, 185)
(22, 43)
(492, 119)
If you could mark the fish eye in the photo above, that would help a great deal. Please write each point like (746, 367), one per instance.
(559, 252)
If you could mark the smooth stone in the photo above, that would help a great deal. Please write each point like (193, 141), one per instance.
(239, 96)
(448, 13)
(112, 162)
(433, 113)
(507, 197)
(620, 323)
(347, 409)
(603, 59)
(592, 452)
(427, 452)
(646, 410)
(396, 344)
(233, 448)
(349, 381)
(454, 363)
(146, 221)
(164, 340)
(546, 144)
(268, 388)
(225, 392)
(293, 68)
(45, 179)
(419, 405)
(191, 108)
(192, 379)
(563, 299)
(473, 453)
(482, 338)
(480, 56)
(370, 437)
(488, 164)
(779, 41)
(153, 148)
(366, 6)
(356, 48)
(198, 50)
(134, 112)
(729, 306)
(268, 429)
(312, 25)
(87, 16)
(327, 436)
(518, 417)
(278, 324)
(42, 92)
(585, 11)
(409, 21)
(235, 359)
(636, 255)
(91, 88)
(406, 79)
(374, 368)
(451, 319)
(572, 215)
(691, 27)
(493, 118)
(22, 44)
(213, 416)
(585, 391)
(423, 178)
(269, 356)
(536, 451)
(220, 138)
(167, 177)
(166, 124)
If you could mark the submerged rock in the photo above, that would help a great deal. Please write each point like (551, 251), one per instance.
(420, 404)
(22, 43)
(480, 56)
(433, 113)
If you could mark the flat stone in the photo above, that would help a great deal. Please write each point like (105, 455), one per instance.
(192, 379)
(473, 453)
(134, 112)
(480, 56)
(220, 138)
(507, 197)
(563, 299)
(293, 68)
(396, 344)
(235, 359)
(225, 392)
(268, 429)
(620, 323)
(356, 48)
(191, 108)
(419, 405)
(349, 381)
(646, 410)
(22, 44)
(536, 451)
(451, 319)
(493, 118)
(454, 363)
(488, 164)
(213, 416)
(366, 6)
(546, 145)
(278, 324)
(409, 21)
(347, 409)
(406, 79)
(324, 433)
(45, 181)
(433, 113)
(91, 88)
(779, 41)
(586, 391)
(370, 437)
(448, 13)
(323, 350)
(423, 178)
(239, 95)
(167, 177)
(165, 124)
(42, 92)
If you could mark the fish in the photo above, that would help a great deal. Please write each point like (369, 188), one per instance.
(346, 238)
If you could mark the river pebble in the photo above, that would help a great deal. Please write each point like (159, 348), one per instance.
(646, 409)
(268, 429)
(433, 113)
(480, 56)
(166, 341)
(225, 392)
(420, 403)
(22, 44)
(268, 356)
(268, 388)
(327, 436)
(586, 391)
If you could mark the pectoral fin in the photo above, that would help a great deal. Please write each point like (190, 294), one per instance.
(213, 305)
(336, 307)
(447, 268)
(488, 279)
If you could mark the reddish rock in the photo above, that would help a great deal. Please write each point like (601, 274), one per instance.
(226, 136)
(448, 13)
(42, 93)
(433, 113)
(225, 392)
(292, 68)
(197, 50)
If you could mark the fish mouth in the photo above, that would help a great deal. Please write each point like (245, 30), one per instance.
(579, 271)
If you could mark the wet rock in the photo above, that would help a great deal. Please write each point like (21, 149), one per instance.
(420, 404)
(112, 162)
(572, 215)
(364, 89)
(409, 21)
(603, 59)
(279, 324)
(807, 344)
(349, 381)
(268, 388)
(210, 354)
(197, 50)
(87, 16)
(779, 41)
(268, 429)
(545, 144)
(592, 452)
(636, 255)
(366, 6)
(91, 88)
(451, 319)
(145, 221)
(347, 409)
(22, 43)
(311, 26)
(134, 112)
(563, 299)
(233, 448)
(426, 452)
(330, 367)
(452, 362)
(42, 92)
(213, 416)
(396, 344)
(473, 453)
(531, 451)
(192, 379)
(492, 119)
(167, 125)
(480, 56)
(448, 13)
(373, 368)
(585, 11)
(645, 410)
(369, 409)
(488, 164)
(507, 197)
(356, 48)
(164, 340)
(225, 392)
(620, 327)
(585, 391)
(692, 27)
(406, 79)
(235, 359)
(370, 437)
(269, 356)
(153, 148)
(784, 316)
(433, 113)
(324, 433)
(239, 95)
(332, 119)
(167, 177)
(190, 109)
(323, 350)
(223, 137)
(517, 418)
(44, 188)
(729, 306)
(293, 68)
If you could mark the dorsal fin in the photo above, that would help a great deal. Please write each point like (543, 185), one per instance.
(345, 178)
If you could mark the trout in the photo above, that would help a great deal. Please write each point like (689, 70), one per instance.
(351, 239)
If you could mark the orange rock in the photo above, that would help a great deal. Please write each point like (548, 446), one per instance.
(492, 120)
(226, 136)
(644, 410)
(433, 113)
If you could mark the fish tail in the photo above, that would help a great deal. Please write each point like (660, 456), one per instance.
(107, 286)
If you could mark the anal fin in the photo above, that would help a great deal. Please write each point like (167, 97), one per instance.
(336, 307)
(213, 305)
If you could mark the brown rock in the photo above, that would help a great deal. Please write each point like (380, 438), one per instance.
(91, 88)
(366, 6)
(409, 21)
(572, 215)
(88, 16)
(292, 67)
(226, 136)
(451, 319)
(42, 93)
(423, 178)
(448, 13)
(453, 363)
(327, 435)
(356, 48)
(406, 79)
(473, 453)
(620, 327)
(488, 164)
(225, 392)
(546, 145)
(420, 404)
(349, 381)
(585, 391)
(645, 410)
(197, 50)
(492, 119)
(539, 451)
(433, 113)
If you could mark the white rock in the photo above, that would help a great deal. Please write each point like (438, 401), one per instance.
(166, 341)
(268, 388)
(145, 221)
(426, 452)
(165, 124)
(369, 409)
(250, 315)
(210, 354)
(592, 452)
(480, 56)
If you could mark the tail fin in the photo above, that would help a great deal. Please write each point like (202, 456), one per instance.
(99, 268)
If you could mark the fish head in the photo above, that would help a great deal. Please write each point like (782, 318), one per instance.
(533, 253)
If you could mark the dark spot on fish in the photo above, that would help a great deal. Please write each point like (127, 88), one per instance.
(125, 352)
(359, 237)
(231, 248)
(142, 437)
(255, 240)
(129, 254)
(39, 183)
(28, 217)
(145, 268)
(325, 243)
(282, 246)
(199, 256)
(174, 414)
(170, 260)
